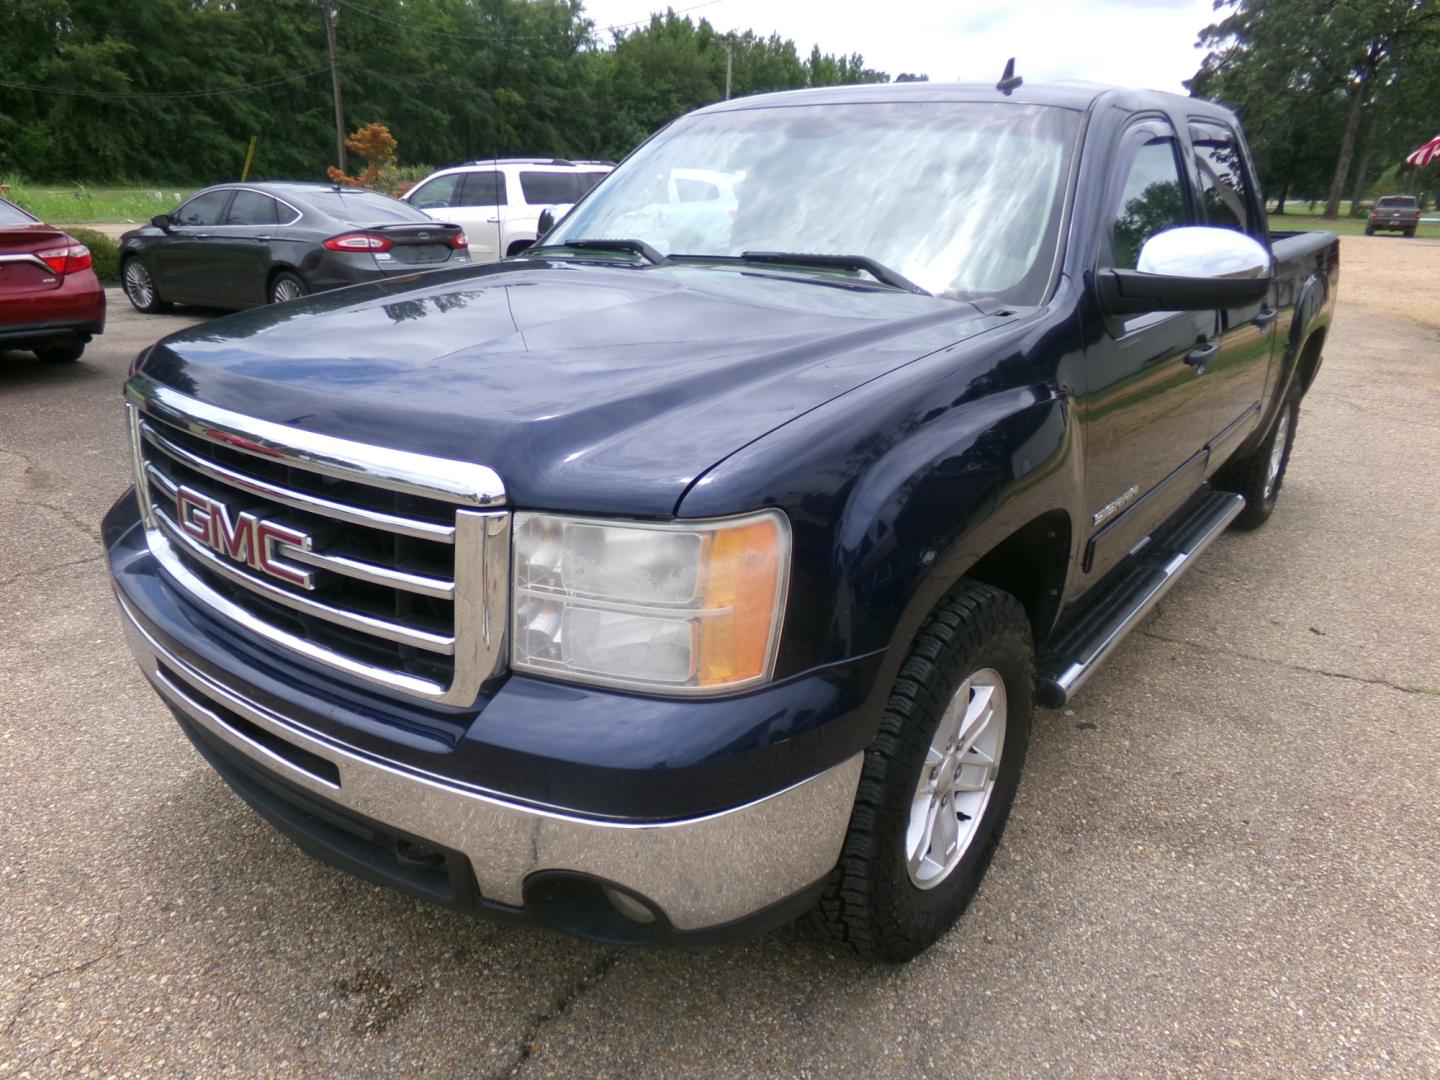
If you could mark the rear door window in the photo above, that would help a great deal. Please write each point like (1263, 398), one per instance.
(485, 188)
(204, 209)
(1224, 187)
(543, 188)
(251, 208)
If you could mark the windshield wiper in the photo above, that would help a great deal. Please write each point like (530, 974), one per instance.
(879, 271)
(635, 247)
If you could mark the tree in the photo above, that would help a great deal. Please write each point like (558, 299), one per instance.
(1307, 76)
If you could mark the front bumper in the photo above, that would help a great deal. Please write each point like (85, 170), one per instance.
(696, 877)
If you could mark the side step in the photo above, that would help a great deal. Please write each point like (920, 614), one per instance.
(1085, 641)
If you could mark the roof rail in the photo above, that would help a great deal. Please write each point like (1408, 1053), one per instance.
(519, 161)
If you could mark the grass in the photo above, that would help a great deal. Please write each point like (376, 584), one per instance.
(83, 205)
(1343, 226)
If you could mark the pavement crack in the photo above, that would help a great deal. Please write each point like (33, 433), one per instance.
(85, 526)
(530, 1040)
(1302, 668)
(25, 1004)
(41, 571)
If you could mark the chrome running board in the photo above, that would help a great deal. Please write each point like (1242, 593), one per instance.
(1082, 644)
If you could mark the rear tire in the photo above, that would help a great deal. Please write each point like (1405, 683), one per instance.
(913, 858)
(285, 287)
(1259, 475)
(61, 354)
(139, 286)
(1369, 231)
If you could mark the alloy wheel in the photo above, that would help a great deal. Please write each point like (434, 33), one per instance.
(286, 289)
(956, 780)
(138, 286)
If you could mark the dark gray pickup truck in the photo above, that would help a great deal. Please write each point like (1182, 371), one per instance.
(700, 567)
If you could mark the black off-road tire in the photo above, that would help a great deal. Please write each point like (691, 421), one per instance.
(1369, 231)
(61, 354)
(1250, 476)
(870, 902)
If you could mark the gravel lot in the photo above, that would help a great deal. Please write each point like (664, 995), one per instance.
(1224, 859)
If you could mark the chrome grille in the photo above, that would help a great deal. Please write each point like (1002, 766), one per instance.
(402, 573)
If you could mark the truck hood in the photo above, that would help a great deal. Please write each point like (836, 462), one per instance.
(586, 387)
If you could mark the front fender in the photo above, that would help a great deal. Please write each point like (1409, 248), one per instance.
(928, 512)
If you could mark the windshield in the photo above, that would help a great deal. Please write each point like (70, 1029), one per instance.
(962, 199)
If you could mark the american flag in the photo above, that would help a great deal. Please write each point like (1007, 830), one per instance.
(1426, 154)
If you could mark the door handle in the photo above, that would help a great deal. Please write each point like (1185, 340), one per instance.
(492, 221)
(264, 239)
(1265, 317)
(1201, 355)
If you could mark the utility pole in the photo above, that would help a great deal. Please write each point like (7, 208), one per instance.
(729, 58)
(335, 85)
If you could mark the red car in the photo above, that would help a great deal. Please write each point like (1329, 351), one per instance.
(51, 302)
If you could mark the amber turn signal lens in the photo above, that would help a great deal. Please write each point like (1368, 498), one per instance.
(744, 574)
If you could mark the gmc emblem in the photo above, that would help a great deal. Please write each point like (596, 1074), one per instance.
(249, 539)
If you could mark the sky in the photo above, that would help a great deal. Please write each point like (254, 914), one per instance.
(1140, 43)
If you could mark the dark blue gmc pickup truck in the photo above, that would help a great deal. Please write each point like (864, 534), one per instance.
(701, 567)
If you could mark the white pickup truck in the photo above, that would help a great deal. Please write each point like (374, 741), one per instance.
(498, 201)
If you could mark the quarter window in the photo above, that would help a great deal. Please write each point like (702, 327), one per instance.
(544, 188)
(1151, 201)
(1224, 193)
(204, 209)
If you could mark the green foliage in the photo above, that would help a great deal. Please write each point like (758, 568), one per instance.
(59, 204)
(96, 89)
(105, 252)
(1332, 92)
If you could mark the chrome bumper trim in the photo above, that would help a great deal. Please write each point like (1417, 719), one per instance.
(702, 872)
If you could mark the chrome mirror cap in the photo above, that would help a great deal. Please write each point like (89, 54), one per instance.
(1204, 252)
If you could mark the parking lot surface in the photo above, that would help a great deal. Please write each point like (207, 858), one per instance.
(1224, 859)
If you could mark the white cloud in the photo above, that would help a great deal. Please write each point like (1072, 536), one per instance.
(1143, 43)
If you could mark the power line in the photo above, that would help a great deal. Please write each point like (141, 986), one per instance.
(166, 95)
(505, 38)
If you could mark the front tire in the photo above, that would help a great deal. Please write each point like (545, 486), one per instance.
(1260, 475)
(139, 286)
(285, 287)
(938, 780)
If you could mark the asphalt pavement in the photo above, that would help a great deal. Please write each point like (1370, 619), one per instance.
(1224, 859)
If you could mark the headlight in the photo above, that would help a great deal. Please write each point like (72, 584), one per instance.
(678, 607)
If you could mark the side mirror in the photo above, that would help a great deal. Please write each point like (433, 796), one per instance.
(546, 222)
(1193, 268)
(161, 222)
